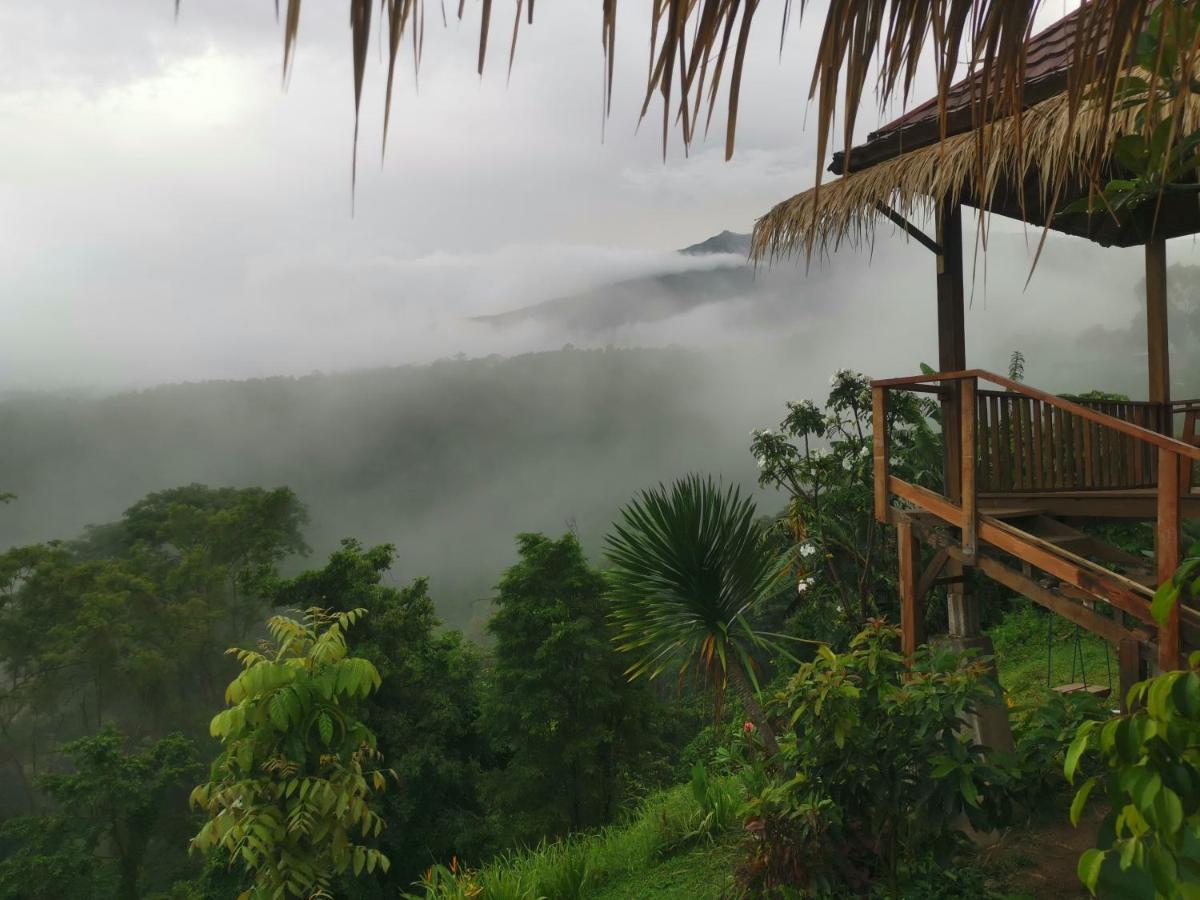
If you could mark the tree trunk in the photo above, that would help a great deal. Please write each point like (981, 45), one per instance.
(745, 692)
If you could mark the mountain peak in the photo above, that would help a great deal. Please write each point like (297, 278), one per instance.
(725, 242)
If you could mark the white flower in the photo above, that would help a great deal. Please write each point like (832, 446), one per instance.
(804, 584)
(807, 550)
(893, 461)
(762, 462)
(847, 463)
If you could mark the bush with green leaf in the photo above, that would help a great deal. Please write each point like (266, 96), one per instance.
(290, 792)
(878, 770)
(1149, 842)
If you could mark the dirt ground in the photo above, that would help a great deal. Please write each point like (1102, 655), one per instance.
(1041, 861)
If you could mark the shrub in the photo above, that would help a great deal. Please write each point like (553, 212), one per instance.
(1149, 843)
(877, 769)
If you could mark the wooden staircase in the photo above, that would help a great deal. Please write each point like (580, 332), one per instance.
(1032, 468)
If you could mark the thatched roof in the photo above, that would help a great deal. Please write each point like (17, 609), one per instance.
(1020, 180)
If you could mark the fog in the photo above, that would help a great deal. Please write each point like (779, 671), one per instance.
(171, 217)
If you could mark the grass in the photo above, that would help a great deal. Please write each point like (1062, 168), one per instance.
(1021, 654)
(678, 843)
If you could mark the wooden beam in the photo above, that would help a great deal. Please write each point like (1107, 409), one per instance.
(908, 227)
(970, 499)
(952, 349)
(1166, 553)
(911, 617)
(1126, 595)
(926, 499)
(1157, 331)
(1109, 629)
(930, 576)
(880, 451)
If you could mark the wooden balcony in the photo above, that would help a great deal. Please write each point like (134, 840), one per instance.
(1024, 468)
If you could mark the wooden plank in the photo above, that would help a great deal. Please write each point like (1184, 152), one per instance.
(969, 494)
(911, 618)
(1138, 454)
(1018, 442)
(1166, 553)
(1062, 471)
(1129, 449)
(1053, 447)
(1038, 473)
(1030, 462)
(1089, 458)
(984, 431)
(1186, 466)
(1126, 595)
(880, 451)
(926, 500)
(1006, 439)
(999, 444)
(1077, 429)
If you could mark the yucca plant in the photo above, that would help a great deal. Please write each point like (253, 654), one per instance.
(688, 563)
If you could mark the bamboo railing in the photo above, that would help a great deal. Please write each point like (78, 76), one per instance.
(1022, 438)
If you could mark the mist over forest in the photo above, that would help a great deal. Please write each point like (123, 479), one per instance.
(598, 392)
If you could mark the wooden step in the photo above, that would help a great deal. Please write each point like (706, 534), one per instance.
(1014, 512)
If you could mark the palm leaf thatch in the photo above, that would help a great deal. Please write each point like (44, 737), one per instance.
(1049, 147)
(688, 563)
(698, 46)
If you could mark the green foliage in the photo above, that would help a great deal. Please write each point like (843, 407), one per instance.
(1016, 366)
(111, 810)
(1043, 728)
(1158, 155)
(822, 458)
(664, 826)
(425, 715)
(1149, 843)
(290, 792)
(688, 563)
(557, 700)
(878, 771)
(1182, 587)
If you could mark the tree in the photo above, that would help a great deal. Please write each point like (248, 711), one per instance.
(688, 565)
(425, 714)
(821, 457)
(110, 811)
(127, 624)
(290, 792)
(557, 706)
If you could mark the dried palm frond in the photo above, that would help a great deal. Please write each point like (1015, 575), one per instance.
(691, 40)
(1047, 146)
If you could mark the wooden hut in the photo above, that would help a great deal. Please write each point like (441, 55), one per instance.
(1024, 469)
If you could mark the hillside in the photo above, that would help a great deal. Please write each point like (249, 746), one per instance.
(448, 461)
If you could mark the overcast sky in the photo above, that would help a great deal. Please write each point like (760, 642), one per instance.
(168, 212)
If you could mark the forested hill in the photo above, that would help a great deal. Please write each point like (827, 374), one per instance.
(448, 461)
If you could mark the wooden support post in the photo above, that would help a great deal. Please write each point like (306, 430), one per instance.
(970, 499)
(1157, 332)
(1129, 669)
(1166, 551)
(911, 615)
(952, 352)
(880, 451)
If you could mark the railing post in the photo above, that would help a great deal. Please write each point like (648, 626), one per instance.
(911, 618)
(970, 499)
(1166, 551)
(880, 451)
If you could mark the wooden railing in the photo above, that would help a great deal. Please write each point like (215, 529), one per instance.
(1075, 446)
(1028, 444)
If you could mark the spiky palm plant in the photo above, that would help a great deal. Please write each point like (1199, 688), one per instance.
(688, 563)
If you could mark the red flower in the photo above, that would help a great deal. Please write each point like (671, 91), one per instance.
(748, 727)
